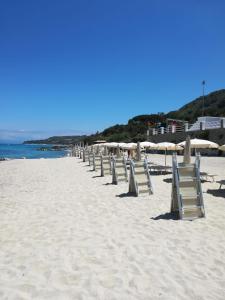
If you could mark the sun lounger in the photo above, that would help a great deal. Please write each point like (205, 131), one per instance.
(106, 168)
(221, 182)
(76, 151)
(187, 198)
(159, 168)
(96, 162)
(90, 158)
(119, 170)
(205, 176)
(85, 155)
(140, 179)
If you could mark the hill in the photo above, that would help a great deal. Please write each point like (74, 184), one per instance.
(214, 106)
(135, 129)
(58, 140)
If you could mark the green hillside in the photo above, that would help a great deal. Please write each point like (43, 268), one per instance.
(135, 129)
(59, 140)
(214, 106)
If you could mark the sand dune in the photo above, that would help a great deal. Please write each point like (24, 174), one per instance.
(66, 233)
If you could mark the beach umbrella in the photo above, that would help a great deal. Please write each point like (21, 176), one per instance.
(148, 145)
(222, 148)
(131, 146)
(187, 151)
(166, 146)
(122, 145)
(200, 144)
(112, 145)
(128, 146)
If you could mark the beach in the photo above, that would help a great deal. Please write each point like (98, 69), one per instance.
(67, 233)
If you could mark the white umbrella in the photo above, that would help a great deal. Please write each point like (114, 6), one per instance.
(222, 148)
(129, 146)
(122, 145)
(197, 144)
(167, 146)
(132, 145)
(148, 145)
(112, 145)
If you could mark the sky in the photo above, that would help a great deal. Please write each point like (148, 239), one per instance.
(79, 66)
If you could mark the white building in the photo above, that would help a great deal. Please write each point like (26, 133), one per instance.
(208, 123)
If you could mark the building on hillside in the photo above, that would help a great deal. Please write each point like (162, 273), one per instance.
(208, 122)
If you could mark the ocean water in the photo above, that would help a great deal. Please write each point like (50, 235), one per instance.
(12, 151)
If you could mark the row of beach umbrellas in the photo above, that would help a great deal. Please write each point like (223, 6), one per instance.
(194, 143)
(166, 146)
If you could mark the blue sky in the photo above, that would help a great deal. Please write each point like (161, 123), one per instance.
(81, 66)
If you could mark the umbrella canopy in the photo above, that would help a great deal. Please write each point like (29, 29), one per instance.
(222, 147)
(168, 146)
(112, 145)
(132, 145)
(122, 145)
(197, 143)
(148, 145)
(129, 146)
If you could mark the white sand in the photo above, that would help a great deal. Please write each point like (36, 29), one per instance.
(67, 235)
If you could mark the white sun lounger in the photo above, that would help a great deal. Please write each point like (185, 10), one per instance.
(119, 170)
(106, 168)
(187, 196)
(140, 179)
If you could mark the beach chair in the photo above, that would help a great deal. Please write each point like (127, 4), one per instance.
(90, 158)
(221, 182)
(76, 151)
(187, 198)
(85, 155)
(206, 176)
(73, 151)
(106, 168)
(140, 179)
(96, 162)
(119, 170)
(81, 153)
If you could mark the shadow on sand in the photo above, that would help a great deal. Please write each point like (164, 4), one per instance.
(96, 176)
(168, 180)
(166, 216)
(217, 193)
(158, 173)
(123, 195)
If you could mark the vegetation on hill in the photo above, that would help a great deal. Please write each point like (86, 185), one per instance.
(214, 105)
(59, 140)
(136, 128)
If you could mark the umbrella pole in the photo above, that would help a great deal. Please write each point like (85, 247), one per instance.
(165, 160)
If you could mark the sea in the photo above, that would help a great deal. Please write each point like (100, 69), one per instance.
(13, 151)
